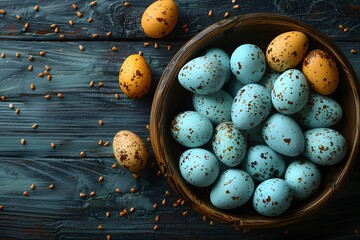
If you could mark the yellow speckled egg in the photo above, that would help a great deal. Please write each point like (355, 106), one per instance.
(160, 18)
(130, 151)
(287, 50)
(321, 71)
(135, 76)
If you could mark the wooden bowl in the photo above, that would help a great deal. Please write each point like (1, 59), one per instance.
(171, 98)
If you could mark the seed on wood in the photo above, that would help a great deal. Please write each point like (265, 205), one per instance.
(101, 179)
(126, 4)
(157, 218)
(133, 190)
(93, 3)
(18, 17)
(3, 98)
(100, 84)
(2, 11)
(167, 193)
(81, 47)
(92, 194)
(62, 36)
(107, 214)
(233, 1)
(226, 14)
(117, 96)
(169, 47)
(114, 166)
(53, 25)
(11, 106)
(53, 145)
(212, 223)
(135, 175)
(30, 58)
(210, 13)
(141, 53)
(185, 213)
(82, 195)
(3, 55)
(100, 227)
(204, 218)
(108, 237)
(132, 209)
(155, 205)
(82, 154)
(48, 96)
(114, 49)
(353, 51)
(56, 30)
(79, 14)
(106, 144)
(175, 205)
(182, 202)
(148, 139)
(179, 200)
(59, 95)
(100, 142)
(71, 22)
(17, 111)
(346, 29)
(17, 55)
(1, 207)
(90, 20)
(236, 7)
(341, 26)
(108, 34)
(158, 173)
(163, 202)
(156, 227)
(36, 8)
(30, 68)
(42, 53)
(32, 187)
(49, 77)
(52, 186)
(46, 72)
(74, 6)
(41, 74)
(122, 213)
(25, 193)
(23, 141)
(118, 190)
(26, 25)
(94, 35)
(101, 122)
(146, 44)
(156, 45)
(91, 84)
(34, 126)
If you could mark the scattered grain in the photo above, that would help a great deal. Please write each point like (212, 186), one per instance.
(26, 25)
(132, 209)
(346, 29)
(3, 55)
(100, 84)
(92, 194)
(42, 53)
(141, 53)
(17, 55)
(233, 1)
(79, 14)
(158, 173)
(53, 25)
(236, 7)
(100, 227)
(204, 218)
(82, 195)
(108, 34)
(74, 6)
(93, 3)
(48, 96)
(100, 142)
(226, 14)
(62, 36)
(49, 77)
(175, 205)
(185, 213)
(179, 201)
(30, 58)
(167, 193)
(34, 126)
(23, 141)
(114, 166)
(126, 4)
(101, 122)
(146, 44)
(90, 20)
(2, 11)
(123, 213)
(163, 202)
(3, 98)
(169, 47)
(94, 35)
(53, 145)
(52, 186)
(353, 51)
(59, 95)
(341, 26)
(148, 139)
(11, 106)
(36, 8)
(133, 190)
(156, 227)
(56, 30)
(25, 193)
(106, 144)
(107, 214)
(41, 75)
(101, 179)
(118, 190)
(18, 17)
(212, 223)
(182, 202)
(82, 154)
(155, 205)
(71, 22)
(33, 187)
(156, 45)
(114, 49)
(210, 14)
(30, 68)
(117, 96)
(91, 84)
(46, 72)
(157, 218)
(1, 207)
(108, 237)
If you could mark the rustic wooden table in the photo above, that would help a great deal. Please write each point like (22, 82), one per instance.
(72, 122)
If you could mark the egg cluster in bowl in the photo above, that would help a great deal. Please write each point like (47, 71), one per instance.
(173, 98)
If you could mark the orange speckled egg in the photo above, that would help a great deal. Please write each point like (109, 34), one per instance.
(287, 50)
(135, 76)
(130, 151)
(160, 18)
(321, 71)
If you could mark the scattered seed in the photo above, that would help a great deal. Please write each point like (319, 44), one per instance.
(106, 144)
(56, 30)
(212, 223)
(71, 22)
(23, 141)
(32, 187)
(62, 36)
(148, 139)
(156, 227)
(146, 44)
(182, 202)
(169, 47)
(92, 194)
(158, 173)
(346, 29)
(167, 193)
(114, 49)
(141, 53)
(90, 20)
(108, 237)
(100, 142)
(36, 8)
(11, 106)
(18, 17)
(91, 84)
(236, 7)
(101, 122)
(2, 11)
(82, 195)
(353, 51)
(17, 55)
(156, 45)
(17, 111)
(226, 14)
(94, 35)
(59, 95)
(30, 68)
(34, 126)
(101, 179)
(3, 98)
(117, 96)
(210, 14)
(185, 213)
(42, 53)
(341, 26)
(163, 202)
(133, 190)
(49, 77)
(46, 72)
(175, 205)
(30, 58)
(179, 201)
(118, 190)
(100, 227)
(74, 6)
(122, 213)
(114, 166)
(52, 186)
(53, 145)
(155, 205)
(157, 218)
(1, 207)
(107, 214)
(126, 4)
(204, 218)
(108, 34)
(25, 193)
(53, 25)
(132, 209)
(233, 1)
(100, 84)
(135, 175)
(79, 14)
(82, 154)
(3, 55)
(93, 3)
(48, 96)
(41, 74)
(26, 25)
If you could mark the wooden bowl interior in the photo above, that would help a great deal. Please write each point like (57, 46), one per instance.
(171, 98)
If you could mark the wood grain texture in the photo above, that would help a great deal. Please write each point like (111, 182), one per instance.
(124, 22)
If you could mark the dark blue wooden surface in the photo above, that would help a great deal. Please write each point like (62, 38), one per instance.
(72, 122)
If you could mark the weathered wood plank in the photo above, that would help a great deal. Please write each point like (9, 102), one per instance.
(124, 22)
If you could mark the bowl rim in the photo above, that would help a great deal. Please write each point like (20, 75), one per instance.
(157, 111)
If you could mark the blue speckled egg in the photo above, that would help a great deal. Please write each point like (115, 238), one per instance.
(269, 79)
(248, 63)
(262, 163)
(223, 58)
(272, 197)
(191, 129)
(233, 86)
(254, 135)
(229, 144)
(290, 92)
(202, 75)
(283, 134)
(233, 189)
(216, 106)
(303, 177)
(251, 106)
(324, 146)
(319, 111)
(199, 167)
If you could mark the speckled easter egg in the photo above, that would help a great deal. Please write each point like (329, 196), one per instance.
(233, 189)
(229, 144)
(287, 50)
(324, 146)
(219, 55)
(191, 129)
(290, 92)
(251, 105)
(320, 111)
(199, 167)
(272, 197)
(248, 63)
(262, 163)
(284, 135)
(202, 75)
(216, 106)
(303, 177)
